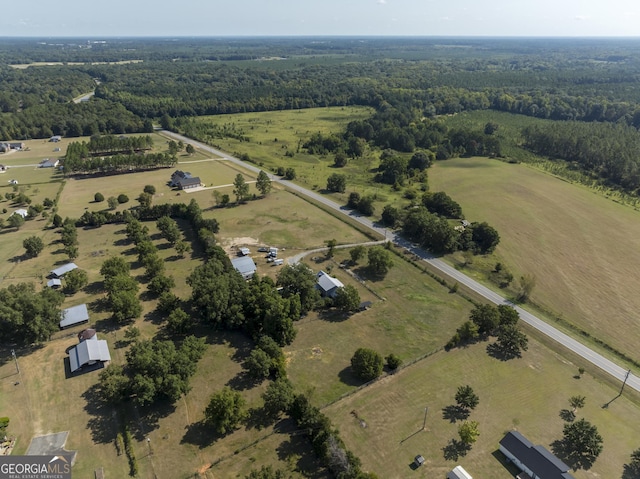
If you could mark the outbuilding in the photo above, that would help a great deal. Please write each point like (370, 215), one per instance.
(21, 212)
(62, 270)
(74, 316)
(54, 283)
(458, 472)
(49, 163)
(418, 461)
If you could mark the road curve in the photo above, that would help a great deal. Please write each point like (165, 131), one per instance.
(576, 347)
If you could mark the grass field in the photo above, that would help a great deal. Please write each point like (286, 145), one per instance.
(417, 316)
(525, 394)
(579, 245)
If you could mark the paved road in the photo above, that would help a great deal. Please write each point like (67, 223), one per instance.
(585, 352)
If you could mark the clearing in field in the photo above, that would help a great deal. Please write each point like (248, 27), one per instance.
(580, 246)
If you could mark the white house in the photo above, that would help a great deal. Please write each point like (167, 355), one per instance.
(88, 352)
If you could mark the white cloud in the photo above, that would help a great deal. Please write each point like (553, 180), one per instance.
(381, 2)
(581, 18)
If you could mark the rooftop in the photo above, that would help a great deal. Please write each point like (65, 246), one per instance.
(74, 315)
(536, 458)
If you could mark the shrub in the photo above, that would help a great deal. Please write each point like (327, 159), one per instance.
(366, 364)
(122, 198)
(98, 197)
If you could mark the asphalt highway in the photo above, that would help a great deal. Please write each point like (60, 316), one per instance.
(619, 373)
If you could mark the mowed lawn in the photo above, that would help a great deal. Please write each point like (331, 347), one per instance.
(526, 394)
(416, 316)
(581, 247)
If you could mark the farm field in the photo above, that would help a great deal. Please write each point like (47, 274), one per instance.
(526, 394)
(579, 245)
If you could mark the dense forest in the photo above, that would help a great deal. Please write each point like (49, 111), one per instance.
(409, 82)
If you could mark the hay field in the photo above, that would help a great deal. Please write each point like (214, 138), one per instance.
(581, 247)
(525, 394)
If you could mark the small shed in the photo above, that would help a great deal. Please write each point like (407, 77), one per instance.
(74, 316)
(87, 334)
(245, 266)
(62, 270)
(328, 285)
(54, 283)
(55, 138)
(21, 212)
(458, 472)
(418, 461)
(244, 252)
(88, 353)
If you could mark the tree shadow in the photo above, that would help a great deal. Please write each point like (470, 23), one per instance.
(334, 315)
(347, 377)
(200, 434)
(99, 305)
(574, 460)
(243, 382)
(566, 415)
(455, 449)
(149, 418)
(122, 242)
(96, 287)
(259, 419)
(495, 351)
(455, 413)
(103, 417)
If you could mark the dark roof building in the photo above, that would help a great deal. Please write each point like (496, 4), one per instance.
(536, 461)
(62, 270)
(245, 266)
(328, 285)
(184, 180)
(75, 315)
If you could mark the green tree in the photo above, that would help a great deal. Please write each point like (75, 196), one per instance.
(15, 221)
(357, 253)
(132, 334)
(485, 238)
(150, 189)
(33, 246)
(263, 183)
(160, 284)
(182, 247)
(469, 432)
(393, 361)
(169, 229)
(278, 397)
(75, 280)
(122, 198)
(124, 305)
(145, 199)
(527, 283)
(112, 201)
(466, 398)
(380, 260)
(71, 251)
(421, 160)
(299, 280)
(190, 149)
(347, 299)
(226, 410)
(340, 159)
(576, 402)
(487, 317)
(390, 216)
(179, 321)
(267, 472)
(98, 197)
(367, 364)
(114, 266)
(258, 364)
(57, 220)
(113, 384)
(511, 341)
(240, 188)
(331, 246)
(337, 182)
(582, 442)
(289, 174)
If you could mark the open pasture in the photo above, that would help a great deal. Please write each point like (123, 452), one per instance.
(417, 316)
(580, 246)
(526, 394)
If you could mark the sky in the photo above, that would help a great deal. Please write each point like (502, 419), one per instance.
(117, 18)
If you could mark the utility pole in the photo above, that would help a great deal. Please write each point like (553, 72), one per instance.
(424, 424)
(13, 353)
(625, 381)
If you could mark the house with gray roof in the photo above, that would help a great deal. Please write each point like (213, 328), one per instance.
(245, 266)
(458, 472)
(54, 283)
(88, 352)
(49, 163)
(328, 285)
(536, 461)
(184, 180)
(74, 316)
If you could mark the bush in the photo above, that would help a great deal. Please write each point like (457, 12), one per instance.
(98, 197)
(393, 362)
(122, 198)
(150, 189)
